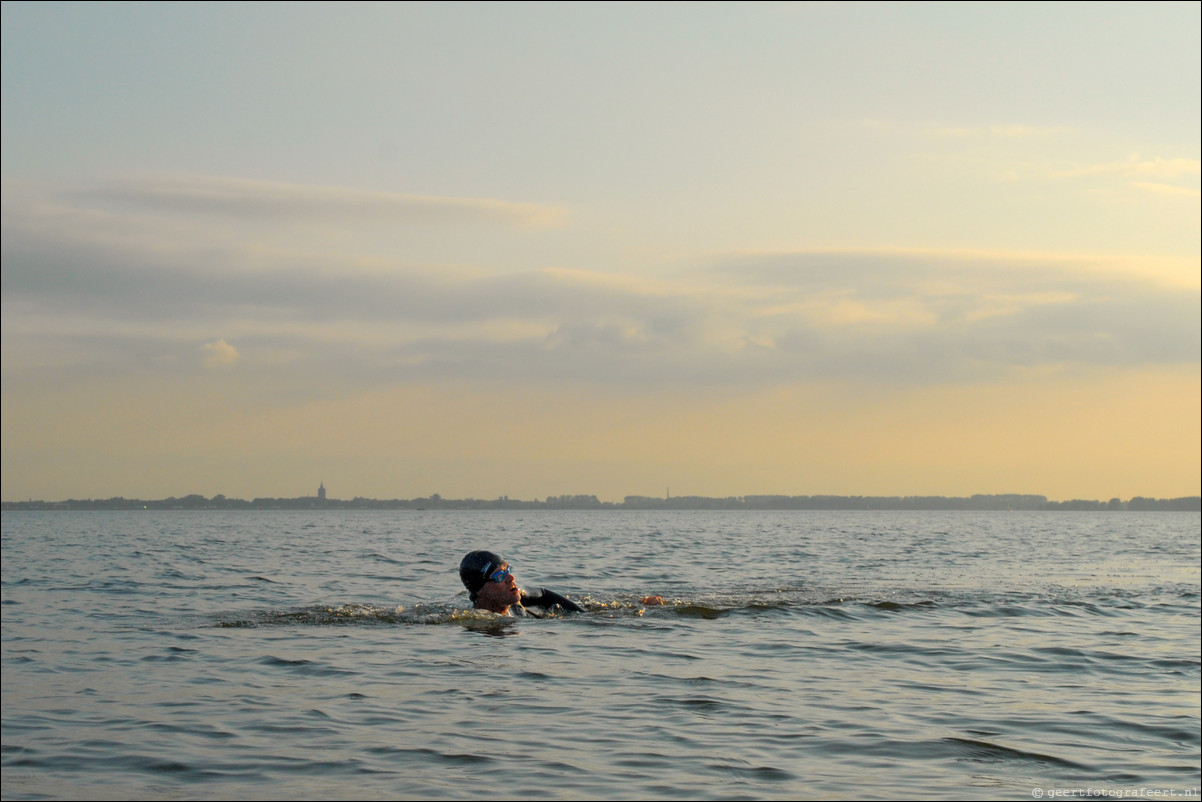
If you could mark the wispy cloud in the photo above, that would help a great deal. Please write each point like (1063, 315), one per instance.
(219, 354)
(951, 315)
(1021, 152)
(999, 132)
(1139, 169)
(240, 198)
(875, 316)
(1168, 189)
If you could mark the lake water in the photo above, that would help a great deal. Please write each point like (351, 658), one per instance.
(801, 655)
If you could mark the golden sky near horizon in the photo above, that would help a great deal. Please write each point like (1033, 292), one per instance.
(545, 249)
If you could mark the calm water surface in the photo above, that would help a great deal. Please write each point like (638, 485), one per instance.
(801, 655)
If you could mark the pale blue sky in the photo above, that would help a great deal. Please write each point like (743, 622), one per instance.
(533, 249)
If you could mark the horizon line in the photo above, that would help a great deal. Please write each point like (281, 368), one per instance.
(591, 499)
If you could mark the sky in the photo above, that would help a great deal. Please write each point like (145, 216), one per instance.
(536, 249)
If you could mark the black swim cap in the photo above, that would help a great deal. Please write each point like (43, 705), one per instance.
(475, 569)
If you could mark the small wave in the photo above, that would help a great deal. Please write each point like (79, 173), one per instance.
(893, 606)
(360, 615)
(769, 774)
(305, 667)
(699, 611)
(694, 702)
(376, 556)
(988, 752)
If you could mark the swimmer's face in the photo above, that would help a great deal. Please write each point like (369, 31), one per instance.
(498, 595)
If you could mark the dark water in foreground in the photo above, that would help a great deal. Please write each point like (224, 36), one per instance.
(802, 655)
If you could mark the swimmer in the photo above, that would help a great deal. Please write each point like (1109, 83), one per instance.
(491, 586)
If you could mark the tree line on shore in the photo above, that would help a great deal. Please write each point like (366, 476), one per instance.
(1005, 501)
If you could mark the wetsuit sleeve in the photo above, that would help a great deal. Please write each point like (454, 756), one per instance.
(541, 597)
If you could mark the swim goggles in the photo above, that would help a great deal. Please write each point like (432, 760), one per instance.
(499, 575)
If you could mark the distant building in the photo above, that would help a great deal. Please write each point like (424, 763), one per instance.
(321, 492)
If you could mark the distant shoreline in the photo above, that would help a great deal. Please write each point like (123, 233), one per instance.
(999, 502)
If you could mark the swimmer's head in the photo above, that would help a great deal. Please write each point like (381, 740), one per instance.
(479, 567)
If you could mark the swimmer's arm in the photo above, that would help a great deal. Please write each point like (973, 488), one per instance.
(541, 597)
